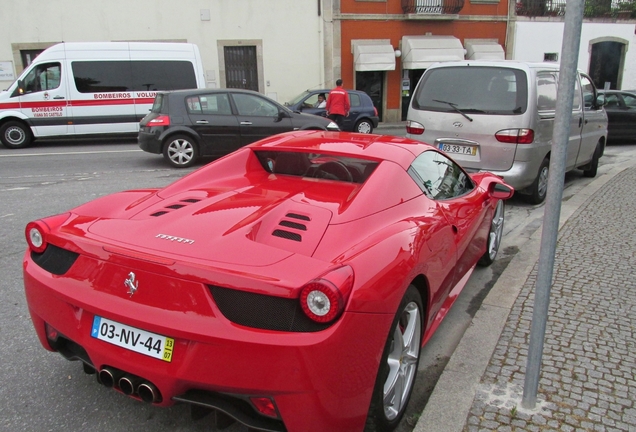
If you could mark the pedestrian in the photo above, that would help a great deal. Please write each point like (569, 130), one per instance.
(338, 104)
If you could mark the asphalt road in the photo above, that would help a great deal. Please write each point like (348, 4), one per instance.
(40, 391)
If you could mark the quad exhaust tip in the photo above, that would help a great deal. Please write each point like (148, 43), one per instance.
(149, 393)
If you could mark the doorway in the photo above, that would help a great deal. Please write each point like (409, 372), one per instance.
(414, 76)
(241, 69)
(372, 83)
(605, 64)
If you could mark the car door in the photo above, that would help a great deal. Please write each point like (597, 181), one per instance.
(349, 122)
(212, 119)
(463, 208)
(594, 121)
(259, 117)
(576, 128)
(44, 100)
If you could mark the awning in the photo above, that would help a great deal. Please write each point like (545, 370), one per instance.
(373, 55)
(484, 49)
(420, 52)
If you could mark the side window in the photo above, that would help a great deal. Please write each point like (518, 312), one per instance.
(439, 177)
(102, 76)
(251, 105)
(354, 99)
(546, 91)
(162, 75)
(43, 77)
(589, 92)
(611, 100)
(629, 100)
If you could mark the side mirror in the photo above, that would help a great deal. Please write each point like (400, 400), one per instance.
(500, 191)
(19, 89)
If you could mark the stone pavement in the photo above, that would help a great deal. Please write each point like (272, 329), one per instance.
(587, 380)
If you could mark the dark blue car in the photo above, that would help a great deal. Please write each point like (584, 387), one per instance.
(362, 118)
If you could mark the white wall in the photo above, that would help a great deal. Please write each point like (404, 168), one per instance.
(290, 31)
(533, 39)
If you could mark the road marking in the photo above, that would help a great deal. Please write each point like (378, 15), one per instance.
(70, 153)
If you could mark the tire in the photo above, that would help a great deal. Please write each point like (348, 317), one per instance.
(181, 151)
(364, 126)
(539, 188)
(494, 236)
(15, 135)
(398, 365)
(592, 168)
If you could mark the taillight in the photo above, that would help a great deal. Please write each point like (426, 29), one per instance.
(414, 128)
(324, 299)
(265, 406)
(36, 232)
(162, 120)
(515, 136)
(375, 110)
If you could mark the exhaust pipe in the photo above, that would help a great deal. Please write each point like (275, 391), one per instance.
(107, 377)
(149, 393)
(128, 384)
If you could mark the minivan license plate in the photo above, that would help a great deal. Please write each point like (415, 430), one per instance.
(133, 339)
(460, 149)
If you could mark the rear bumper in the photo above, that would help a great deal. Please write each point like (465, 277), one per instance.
(149, 142)
(319, 381)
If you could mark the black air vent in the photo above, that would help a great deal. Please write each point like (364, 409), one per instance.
(298, 216)
(55, 259)
(294, 225)
(159, 213)
(191, 200)
(175, 206)
(287, 235)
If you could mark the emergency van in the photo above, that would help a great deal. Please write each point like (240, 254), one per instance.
(94, 88)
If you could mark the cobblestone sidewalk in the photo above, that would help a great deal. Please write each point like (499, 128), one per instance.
(587, 374)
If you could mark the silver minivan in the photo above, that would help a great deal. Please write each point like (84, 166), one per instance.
(498, 116)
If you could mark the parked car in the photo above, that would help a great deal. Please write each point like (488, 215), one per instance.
(289, 280)
(620, 107)
(184, 125)
(362, 118)
(498, 116)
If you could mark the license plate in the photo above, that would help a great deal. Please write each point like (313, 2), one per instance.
(459, 149)
(133, 339)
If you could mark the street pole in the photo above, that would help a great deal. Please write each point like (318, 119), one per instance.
(560, 138)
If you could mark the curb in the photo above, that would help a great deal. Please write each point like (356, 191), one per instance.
(452, 398)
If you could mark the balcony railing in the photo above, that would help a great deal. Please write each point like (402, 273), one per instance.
(432, 7)
(625, 9)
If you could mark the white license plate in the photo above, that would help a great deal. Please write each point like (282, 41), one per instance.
(459, 149)
(134, 339)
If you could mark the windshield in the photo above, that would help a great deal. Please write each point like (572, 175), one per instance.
(473, 89)
(298, 98)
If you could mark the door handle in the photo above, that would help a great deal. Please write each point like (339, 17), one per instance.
(246, 123)
(58, 97)
(202, 122)
(580, 121)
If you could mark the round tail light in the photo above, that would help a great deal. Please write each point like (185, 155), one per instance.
(324, 299)
(36, 236)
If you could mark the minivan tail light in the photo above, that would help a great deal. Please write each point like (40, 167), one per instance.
(414, 128)
(375, 110)
(515, 136)
(162, 120)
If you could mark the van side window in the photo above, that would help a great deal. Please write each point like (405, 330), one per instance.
(589, 92)
(137, 75)
(546, 92)
(43, 77)
(439, 177)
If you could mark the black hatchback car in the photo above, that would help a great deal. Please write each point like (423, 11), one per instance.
(187, 124)
(362, 118)
(620, 106)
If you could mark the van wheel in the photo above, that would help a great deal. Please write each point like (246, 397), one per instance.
(539, 188)
(180, 151)
(15, 135)
(591, 169)
(364, 126)
(398, 365)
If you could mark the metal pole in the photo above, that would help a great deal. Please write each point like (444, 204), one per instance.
(560, 138)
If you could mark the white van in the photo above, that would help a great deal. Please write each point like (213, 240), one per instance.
(94, 88)
(498, 116)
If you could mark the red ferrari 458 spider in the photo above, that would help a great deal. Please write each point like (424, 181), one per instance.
(289, 285)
